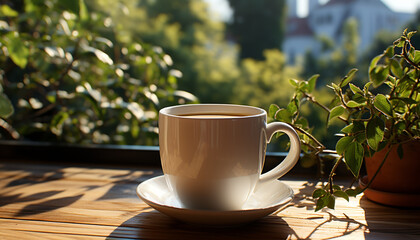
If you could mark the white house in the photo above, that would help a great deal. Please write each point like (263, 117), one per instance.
(328, 20)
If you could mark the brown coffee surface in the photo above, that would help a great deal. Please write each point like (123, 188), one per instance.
(211, 115)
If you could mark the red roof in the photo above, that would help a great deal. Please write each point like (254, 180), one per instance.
(332, 2)
(298, 27)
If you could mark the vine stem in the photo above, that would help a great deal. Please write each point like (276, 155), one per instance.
(311, 137)
(406, 57)
(12, 132)
(332, 173)
(314, 101)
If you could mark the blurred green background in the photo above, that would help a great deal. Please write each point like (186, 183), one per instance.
(98, 71)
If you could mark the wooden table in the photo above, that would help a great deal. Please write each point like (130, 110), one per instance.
(63, 201)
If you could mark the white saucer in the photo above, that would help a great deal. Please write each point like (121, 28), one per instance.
(266, 199)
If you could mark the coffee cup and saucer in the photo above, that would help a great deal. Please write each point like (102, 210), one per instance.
(212, 157)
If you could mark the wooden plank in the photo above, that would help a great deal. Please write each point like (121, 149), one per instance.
(79, 202)
(72, 229)
(13, 235)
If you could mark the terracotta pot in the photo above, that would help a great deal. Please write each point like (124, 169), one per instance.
(398, 178)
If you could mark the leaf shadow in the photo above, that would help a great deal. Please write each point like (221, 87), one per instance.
(348, 230)
(123, 184)
(16, 198)
(47, 206)
(303, 195)
(34, 179)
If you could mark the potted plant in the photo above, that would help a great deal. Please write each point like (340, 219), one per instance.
(382, 127)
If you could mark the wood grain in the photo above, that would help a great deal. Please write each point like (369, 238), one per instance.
(56, 201)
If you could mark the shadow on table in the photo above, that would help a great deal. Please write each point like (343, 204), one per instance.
(154, 225)
(386, 222)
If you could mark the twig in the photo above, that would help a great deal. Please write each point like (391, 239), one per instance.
(332, 173)
(312, 99)
(311, 137)
(12, 132)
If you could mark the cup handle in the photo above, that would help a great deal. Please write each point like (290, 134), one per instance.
(292, 157)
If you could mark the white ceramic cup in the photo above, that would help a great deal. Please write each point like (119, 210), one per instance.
(212, 154)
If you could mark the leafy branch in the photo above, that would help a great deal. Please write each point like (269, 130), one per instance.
(372, 121)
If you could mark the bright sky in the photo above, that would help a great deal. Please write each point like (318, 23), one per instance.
(403, 5)
(396, 5)
(223, 12)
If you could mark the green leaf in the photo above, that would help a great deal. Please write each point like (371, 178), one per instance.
(353, 192)
(354, 127)
(396, 68)
(375, 132)
(17, 50)
(416, 57)
(411, 34)
(347, 129)
(335, 87)
(408, 101)
(360, 137)
(348, 78)
(83, 11)
(355, 89)
(312, 83)
(318, 193)
(294, 82)
(283, 115)
(6, 107)
(341, 194)
(72, 6)
(336, 187)
(354, 104)
(378, 73)
(358, 126)
(303, 122)
(51, 96)
(382, 104)
(6, 11)
(59, 119)
(320, 204)
(374, 62)
(366, 88)
(135, 128)
(389, 52)
(272, 110)
(335, 112)
(353, 156)
(303, 86)
(292, 107)
(342, 144)
(400, 127)
(331, 202)
(399, 43)
(359, 98)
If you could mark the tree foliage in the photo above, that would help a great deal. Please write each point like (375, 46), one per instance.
(335, 58)
(72, 79)
(185, 30)
(264, 82)
(257, 25)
